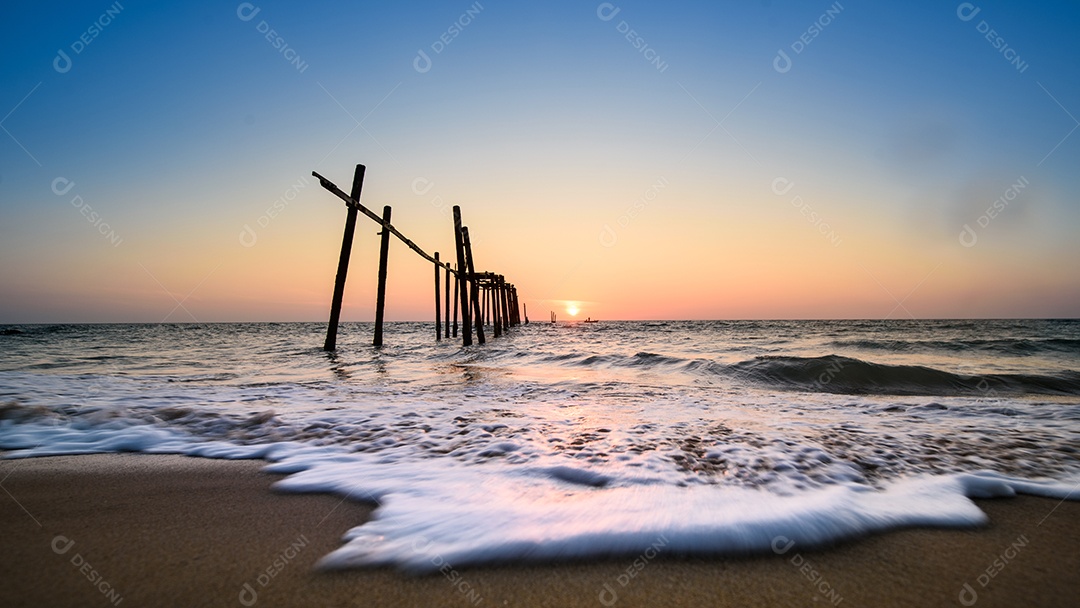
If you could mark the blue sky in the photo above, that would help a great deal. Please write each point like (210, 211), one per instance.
(896, 125)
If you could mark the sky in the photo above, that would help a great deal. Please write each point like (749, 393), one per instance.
(690, 160)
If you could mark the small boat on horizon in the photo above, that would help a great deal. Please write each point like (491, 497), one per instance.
(591, 320)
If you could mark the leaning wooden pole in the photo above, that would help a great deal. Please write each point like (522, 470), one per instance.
(459, 244)
(438, 298)
(478, 312)
(380, 295)
(343, 262)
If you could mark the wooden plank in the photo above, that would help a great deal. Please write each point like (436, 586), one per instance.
(354, 203)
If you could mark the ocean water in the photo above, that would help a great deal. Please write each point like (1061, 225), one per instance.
(574, 440)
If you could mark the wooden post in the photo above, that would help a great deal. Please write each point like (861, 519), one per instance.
(457, 283)
(526, 308)
(343, 262)
(446, 329)
(475, 291)
(502, 301)
(517, 308)
(438, 297)
(490, 295)
(484, 305)
(380, 295)
(513, 305)
(459, 244)
(496, 314)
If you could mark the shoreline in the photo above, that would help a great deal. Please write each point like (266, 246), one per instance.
(131, 529)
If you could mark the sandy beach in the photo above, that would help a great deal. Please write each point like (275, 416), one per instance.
(134, 530)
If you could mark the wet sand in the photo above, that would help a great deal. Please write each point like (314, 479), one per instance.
(134, 530)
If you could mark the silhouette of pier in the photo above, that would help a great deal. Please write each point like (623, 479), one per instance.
(483, 298)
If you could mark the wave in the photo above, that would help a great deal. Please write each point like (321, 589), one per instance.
(837, 374)
(845, 375)
(1008, 346)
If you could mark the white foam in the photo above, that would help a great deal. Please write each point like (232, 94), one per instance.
(431, 513)
(451, 489)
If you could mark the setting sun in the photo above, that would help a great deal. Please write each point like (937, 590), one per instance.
(572, 310)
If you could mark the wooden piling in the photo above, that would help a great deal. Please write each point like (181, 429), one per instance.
(484, 298)
(504, 307)
(438, 297)
(525, 307)
(485, 292)
(457, 283)
(380, 295)
(343, 262)
(475, 288)
(459, 244)
(496, 312)
(517, 308)
(514, 318)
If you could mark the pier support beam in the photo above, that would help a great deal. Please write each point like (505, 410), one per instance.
(343, 262)
(463, 286)
(496, 312)
(380, 295)
(438, 297)
(478, 313)
(457, 284)
(446, 329)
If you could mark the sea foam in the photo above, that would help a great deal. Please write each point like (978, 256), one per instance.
(435, 511)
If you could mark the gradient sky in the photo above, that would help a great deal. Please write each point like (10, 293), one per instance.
(690, 171)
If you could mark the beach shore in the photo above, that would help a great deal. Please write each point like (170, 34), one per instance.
(134, 530)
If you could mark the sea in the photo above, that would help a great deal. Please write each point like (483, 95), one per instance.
(575, 440)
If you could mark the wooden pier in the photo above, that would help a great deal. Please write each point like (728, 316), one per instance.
(484, 298)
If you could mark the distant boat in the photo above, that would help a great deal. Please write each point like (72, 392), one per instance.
(591, 320)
